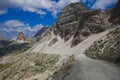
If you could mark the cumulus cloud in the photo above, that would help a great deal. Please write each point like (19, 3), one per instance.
(11, 28)
(103, 4)
(42, 6)
(13, 23)
(36, 6)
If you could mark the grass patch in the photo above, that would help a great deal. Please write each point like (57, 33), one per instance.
(5, 66)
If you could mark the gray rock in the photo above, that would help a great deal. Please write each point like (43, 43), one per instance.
(77, 21)
(39, 34)
(107, 48)
(115, 14)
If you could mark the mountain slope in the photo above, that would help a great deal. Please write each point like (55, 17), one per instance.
(63, 48)
(107, 48)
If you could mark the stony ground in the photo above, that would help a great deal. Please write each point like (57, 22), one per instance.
(84, 68)
(58, 62)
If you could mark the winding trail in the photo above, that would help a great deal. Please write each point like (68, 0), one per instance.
(89, 69)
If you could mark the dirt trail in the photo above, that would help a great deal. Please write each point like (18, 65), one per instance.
(89, 69)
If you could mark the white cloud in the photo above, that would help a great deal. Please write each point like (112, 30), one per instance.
(63, 3)
(13, 23)
(11, 28)
(41, 6)
(36, 6)
(3, 12)
(103, 4)
(59, 5)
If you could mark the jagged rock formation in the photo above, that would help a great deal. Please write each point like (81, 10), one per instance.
(21, 38)
(115, 14)
(39, 34)
(77, 21)
(107, 48)
(74, 25)
(17, 46)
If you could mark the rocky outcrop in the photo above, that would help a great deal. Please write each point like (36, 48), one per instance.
(115, 14)
(77, 21)
(21, 38)
(107, 48)
(39, 34)
(68, 20)
(53, 41)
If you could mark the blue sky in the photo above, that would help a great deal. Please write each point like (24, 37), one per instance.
(31, 15)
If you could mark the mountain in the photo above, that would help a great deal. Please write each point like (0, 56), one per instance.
(69, 28)
(115, 14)
(38, 35)
(21, 38)
(77, 21)
(81, 45)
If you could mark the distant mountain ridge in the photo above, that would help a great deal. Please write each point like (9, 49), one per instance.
(39, 33)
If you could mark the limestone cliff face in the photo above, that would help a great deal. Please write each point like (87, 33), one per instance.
(39, 34)
(115, 14)
(77, 21)
(68, 20)
(107, 48)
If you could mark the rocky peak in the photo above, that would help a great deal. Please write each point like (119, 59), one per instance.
(115, 14)
(71, 13)
(68, 20)
(76, 20)
(21, 38)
